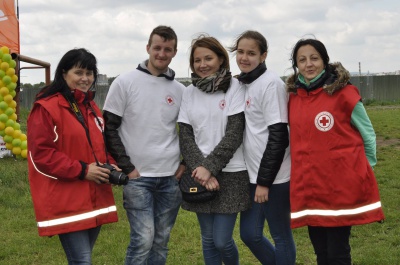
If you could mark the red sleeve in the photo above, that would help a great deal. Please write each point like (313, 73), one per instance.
(41, 145)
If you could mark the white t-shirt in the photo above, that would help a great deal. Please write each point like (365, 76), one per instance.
(266, 104)
(208, 115)
(149, 108)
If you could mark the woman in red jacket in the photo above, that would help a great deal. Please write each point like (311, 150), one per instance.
(71, 194)
(333, 148)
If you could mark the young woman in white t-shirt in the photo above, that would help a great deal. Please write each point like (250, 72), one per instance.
(211, 124)
(266, 152)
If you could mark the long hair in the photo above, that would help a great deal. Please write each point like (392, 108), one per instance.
(78, 57)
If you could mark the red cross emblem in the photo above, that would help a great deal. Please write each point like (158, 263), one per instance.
(248, 102)
(222, 104)
(170, 100)
(324, 121)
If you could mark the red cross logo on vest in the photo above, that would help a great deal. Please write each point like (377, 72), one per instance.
(324, 121)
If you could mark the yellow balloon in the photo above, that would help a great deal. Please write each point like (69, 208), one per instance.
(14, 116)
(14, 78)
(10, 72)
(13, 104)
(4, 66)
(16, 150)
(4, 91)
(9, 146)
(24, 153)
(17, 134)
(9, 130)
(5, 49)
(8, 98)
(22, 137)
(2, 126)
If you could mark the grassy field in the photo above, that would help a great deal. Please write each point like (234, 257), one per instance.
(373, 244)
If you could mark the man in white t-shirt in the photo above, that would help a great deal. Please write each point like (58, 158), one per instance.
(140, 112)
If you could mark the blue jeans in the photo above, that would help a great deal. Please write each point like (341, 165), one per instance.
(152, 205)
(78, 245)
(277, 213)
(217, 241)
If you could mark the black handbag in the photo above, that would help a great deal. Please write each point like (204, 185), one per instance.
(193, 191)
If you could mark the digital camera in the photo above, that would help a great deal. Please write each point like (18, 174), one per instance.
(116, 177)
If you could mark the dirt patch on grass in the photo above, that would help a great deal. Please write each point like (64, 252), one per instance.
(381, 142)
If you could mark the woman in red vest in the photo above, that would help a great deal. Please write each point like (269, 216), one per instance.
(70, 192)
(333, 148)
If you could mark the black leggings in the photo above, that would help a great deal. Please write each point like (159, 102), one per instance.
(331, 244)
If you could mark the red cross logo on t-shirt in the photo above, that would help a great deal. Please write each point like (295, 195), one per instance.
(170, 100)
(248, 102)
(222, 104)
(324, 121)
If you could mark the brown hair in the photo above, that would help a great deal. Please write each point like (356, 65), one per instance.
(205, 41)
(166, 33)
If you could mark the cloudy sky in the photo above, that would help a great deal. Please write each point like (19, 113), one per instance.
(116, 32)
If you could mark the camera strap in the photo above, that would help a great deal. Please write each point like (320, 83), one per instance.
(74, 106)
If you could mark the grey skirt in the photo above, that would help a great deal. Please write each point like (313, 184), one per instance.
(233, 196)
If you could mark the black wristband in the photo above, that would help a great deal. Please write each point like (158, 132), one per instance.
(83, 171)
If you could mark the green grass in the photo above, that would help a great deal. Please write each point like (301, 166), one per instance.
(371, 244)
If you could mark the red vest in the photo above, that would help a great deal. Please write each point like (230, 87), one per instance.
(68, 205)
(332, 183)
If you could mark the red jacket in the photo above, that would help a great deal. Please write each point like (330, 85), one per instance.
(332, 183)
(57, 143)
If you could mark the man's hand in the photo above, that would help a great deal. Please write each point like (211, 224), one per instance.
(134, 174)
(261, 194)
(179, 172)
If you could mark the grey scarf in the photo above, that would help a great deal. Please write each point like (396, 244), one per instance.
(220, 81)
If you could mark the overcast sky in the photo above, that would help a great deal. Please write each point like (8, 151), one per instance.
(116, 32)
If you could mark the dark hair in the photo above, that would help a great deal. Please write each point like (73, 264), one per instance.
(78, 57)
(254, 35)
(318, 45)
(205, 41)
(166, 33)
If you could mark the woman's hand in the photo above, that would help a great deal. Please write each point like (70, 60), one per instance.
(201, 175)
(97, 174)
(212, 184)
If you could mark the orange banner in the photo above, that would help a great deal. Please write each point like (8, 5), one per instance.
(9, 26)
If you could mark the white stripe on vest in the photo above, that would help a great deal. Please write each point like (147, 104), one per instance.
(78, 217)
(362, 209)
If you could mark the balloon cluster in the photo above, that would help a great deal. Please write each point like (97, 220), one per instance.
(9, 127)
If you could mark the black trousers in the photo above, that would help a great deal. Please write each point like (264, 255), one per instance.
(331, 244)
